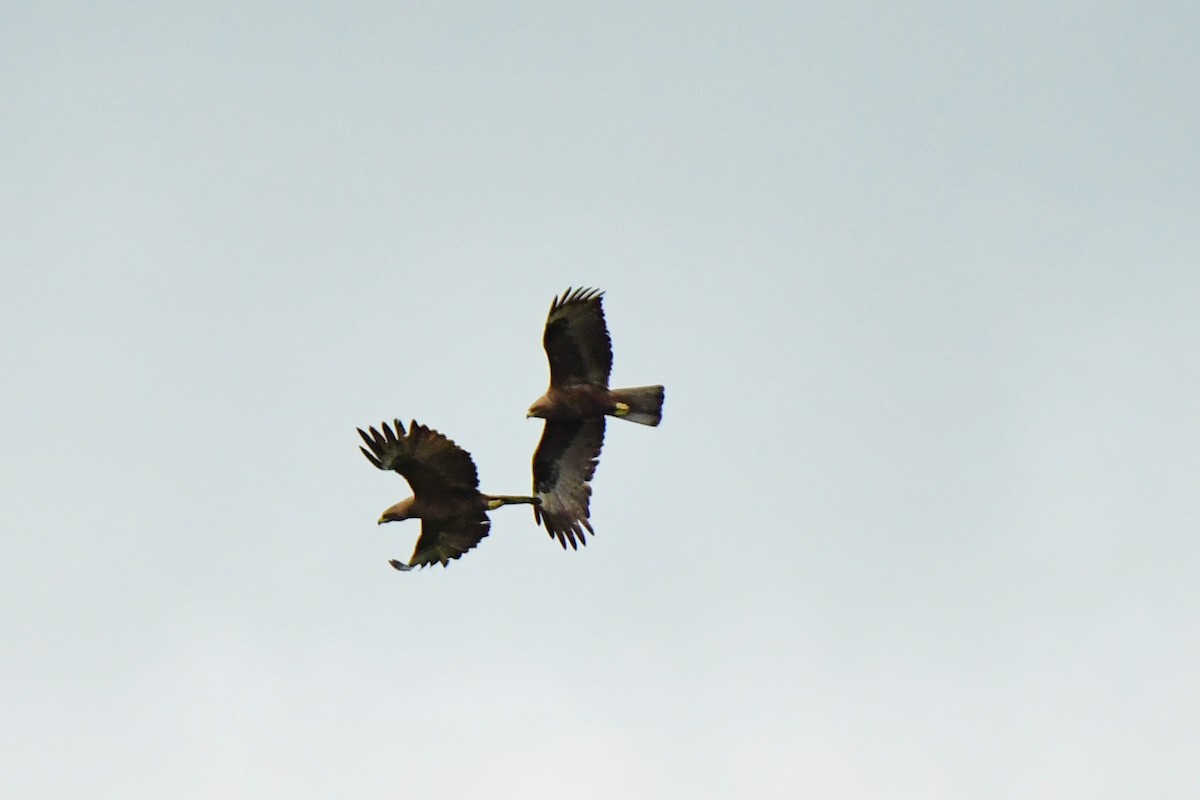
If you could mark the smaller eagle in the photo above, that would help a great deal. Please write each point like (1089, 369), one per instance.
(574, 407)
(446, 496)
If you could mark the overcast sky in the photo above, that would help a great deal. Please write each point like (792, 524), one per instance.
(923, 285)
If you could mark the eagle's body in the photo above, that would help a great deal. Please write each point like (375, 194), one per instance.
(446, 496)
(575, 405)
(574, 401)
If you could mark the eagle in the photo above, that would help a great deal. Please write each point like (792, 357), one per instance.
(446, 496)
(574, 407)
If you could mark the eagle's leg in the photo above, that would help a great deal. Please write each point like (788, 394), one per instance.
(621, 409)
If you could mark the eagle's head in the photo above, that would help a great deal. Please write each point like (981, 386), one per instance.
(539, 408)
(401, 511)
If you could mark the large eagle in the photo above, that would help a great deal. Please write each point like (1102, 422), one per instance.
(446, 496)
(574, 407)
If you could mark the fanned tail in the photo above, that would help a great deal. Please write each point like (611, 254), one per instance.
(645, 404)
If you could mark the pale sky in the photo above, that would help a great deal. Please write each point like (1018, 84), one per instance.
(922, 282)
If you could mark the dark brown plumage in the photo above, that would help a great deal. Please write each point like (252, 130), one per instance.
(446, 496)
(580, 353)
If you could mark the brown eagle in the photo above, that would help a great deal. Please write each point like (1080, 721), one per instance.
(446, 496)
(574, 407)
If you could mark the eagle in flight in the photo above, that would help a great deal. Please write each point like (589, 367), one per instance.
(446, 496)
(574, 407)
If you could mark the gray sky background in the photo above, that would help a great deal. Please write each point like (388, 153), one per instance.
(922, 283)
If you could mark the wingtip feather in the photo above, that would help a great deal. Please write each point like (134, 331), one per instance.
(371, 457)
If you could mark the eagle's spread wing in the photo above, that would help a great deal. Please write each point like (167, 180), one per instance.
(446, 538)
(564, 462)
(576, 339)
(431, 463)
